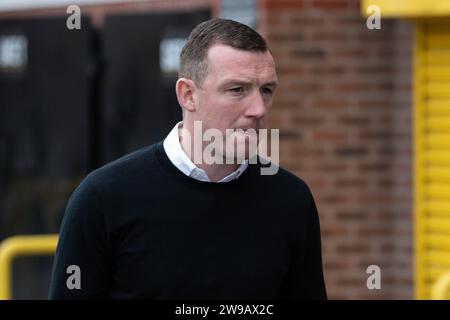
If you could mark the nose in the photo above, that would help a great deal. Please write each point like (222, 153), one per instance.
(257, 106)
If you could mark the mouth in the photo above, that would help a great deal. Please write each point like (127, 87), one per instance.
(246, 131)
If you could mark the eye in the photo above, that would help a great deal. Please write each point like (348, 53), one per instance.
(237, 90)
(267, 91)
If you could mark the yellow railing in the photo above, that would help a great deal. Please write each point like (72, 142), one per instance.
(15, 246)
(441, 289)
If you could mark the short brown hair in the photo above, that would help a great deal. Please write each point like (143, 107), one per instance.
(193, 62)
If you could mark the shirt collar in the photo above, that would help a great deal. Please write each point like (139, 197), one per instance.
(174, 151)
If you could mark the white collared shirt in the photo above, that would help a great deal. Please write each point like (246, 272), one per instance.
(178, 157)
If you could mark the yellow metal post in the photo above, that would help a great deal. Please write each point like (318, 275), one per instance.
(21, 246)
(441, 288)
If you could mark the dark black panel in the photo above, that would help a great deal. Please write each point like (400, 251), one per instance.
(140, 106)
(45, 124)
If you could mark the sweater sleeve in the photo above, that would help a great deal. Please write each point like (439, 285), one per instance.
(305, 279)
(81, 267)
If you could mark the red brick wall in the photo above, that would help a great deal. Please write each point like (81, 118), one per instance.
(344, 106)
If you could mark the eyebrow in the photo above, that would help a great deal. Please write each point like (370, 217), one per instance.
(271, 84)
(235, 82)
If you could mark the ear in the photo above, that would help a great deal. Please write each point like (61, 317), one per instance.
(186, 89)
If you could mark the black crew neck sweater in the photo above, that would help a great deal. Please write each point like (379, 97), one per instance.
(138, 228)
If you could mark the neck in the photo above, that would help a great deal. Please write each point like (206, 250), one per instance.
(215, 172)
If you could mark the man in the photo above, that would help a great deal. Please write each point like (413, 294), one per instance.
(159, 224)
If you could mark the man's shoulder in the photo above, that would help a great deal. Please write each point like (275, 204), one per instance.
(292, 191)
(290, 187)
(294, 182)
(281, 177)
(135, 164)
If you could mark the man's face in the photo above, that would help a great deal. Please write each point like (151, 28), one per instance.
(237, 91)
